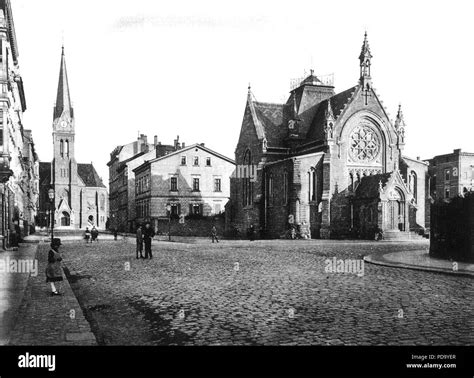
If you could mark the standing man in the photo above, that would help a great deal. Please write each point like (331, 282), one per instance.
(148, 235)
(214, 234)
(140, 241)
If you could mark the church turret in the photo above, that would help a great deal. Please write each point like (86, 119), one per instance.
(329, 122)
(364, 58)
(400, 128)
(63, 99)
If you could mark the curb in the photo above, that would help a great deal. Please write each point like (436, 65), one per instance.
(379, 260)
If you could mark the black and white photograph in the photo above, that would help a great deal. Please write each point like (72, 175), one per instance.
(267, 179)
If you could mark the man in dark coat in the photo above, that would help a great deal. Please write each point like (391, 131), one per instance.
(214, 234)
(140, 241)
(148, 235)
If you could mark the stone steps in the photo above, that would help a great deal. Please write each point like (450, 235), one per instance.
(401, 235)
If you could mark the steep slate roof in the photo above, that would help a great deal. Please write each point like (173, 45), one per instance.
(338, 103)
(89, 175)
(270, 117)
(369, 185)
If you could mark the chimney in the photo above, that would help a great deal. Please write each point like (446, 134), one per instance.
(457, 151)
(182, 145)
(203, 145)
(176, 143)
(155, 141)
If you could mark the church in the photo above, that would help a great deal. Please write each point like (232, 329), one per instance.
(331, 164)
(81, 198)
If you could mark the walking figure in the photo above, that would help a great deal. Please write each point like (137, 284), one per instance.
(148, 235)
(251, 232)
(140, 241)
(87, 235)
(54, 271)
(115, 233)
(214, 234)
(94, 234)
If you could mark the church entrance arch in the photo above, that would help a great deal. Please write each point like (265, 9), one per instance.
(396, 210)
(65, 219)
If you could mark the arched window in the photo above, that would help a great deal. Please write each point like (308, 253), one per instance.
(413, 184)
(314, 195)
(247, 179)
(65, 219)
(67, 148)
(61, 148)
(102, 202)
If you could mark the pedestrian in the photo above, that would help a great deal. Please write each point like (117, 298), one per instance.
(214, 234)
(148, 235)
(140, 241)
(115, 233)
(87, 235)
(94, 234)
(251, 232)
(54, 271)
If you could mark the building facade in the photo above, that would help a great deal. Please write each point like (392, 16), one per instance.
(80, 199)
(18, 159)
(123, 160)
(329, 162)
(192, 181)
(451, 174)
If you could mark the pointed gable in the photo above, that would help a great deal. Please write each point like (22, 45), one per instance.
(270, 119)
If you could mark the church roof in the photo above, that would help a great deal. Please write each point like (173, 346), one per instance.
(369, 185)
(63, 99)
(86, 172)
(338, 103)
(270, 119)
(89, 175)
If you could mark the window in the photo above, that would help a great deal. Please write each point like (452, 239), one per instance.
(447, 175)
(183, 160)
(412, 184)
(67, 148)
(208, 162)
(285, 188)
(175, 209)
(270, 189)
(446, 192)
(61, 148)
(1, 125)
(174, 184)
(217, 185)
(196, 160)
(195, 184)
(247, 179)
(314, 196)
(196, 209)
(309, 186)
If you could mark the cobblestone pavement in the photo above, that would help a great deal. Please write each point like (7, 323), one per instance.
(265, 292)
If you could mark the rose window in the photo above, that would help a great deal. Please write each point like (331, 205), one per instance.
(364, 143)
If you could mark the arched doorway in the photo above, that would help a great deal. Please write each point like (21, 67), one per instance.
(396, 210)
(65, 219)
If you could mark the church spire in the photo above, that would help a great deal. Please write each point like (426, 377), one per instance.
(63, 99)
(364, 59)
(400, 126)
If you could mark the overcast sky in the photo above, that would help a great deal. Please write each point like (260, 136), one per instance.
(182, 68)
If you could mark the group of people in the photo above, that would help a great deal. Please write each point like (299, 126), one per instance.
(92, 235)
(144, 237)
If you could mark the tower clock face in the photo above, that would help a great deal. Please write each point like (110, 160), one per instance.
(63, 123)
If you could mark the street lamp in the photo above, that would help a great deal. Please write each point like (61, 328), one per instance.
(51, 199)
(168, 209)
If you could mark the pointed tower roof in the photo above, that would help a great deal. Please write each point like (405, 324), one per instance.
(365, 62)
(365, 51)
(399, 121)
(63, 99)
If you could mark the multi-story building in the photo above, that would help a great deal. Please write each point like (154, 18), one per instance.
(332, 162)
(123, 160)
(192, 181)
(451, 174)
(18, 160)
(80, 197)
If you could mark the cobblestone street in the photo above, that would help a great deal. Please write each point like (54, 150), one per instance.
(264, 292)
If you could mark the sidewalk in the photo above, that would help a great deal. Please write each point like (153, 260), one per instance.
(12, 288)
(420, 260)
(46, 320)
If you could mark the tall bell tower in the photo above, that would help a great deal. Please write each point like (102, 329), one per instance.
(64, 167)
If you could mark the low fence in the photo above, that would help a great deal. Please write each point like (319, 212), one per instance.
(452, 229)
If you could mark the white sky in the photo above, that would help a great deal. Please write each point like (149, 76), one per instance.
(183, 67)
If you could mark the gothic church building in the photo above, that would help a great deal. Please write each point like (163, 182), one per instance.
(330, 162)
(81, 198)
